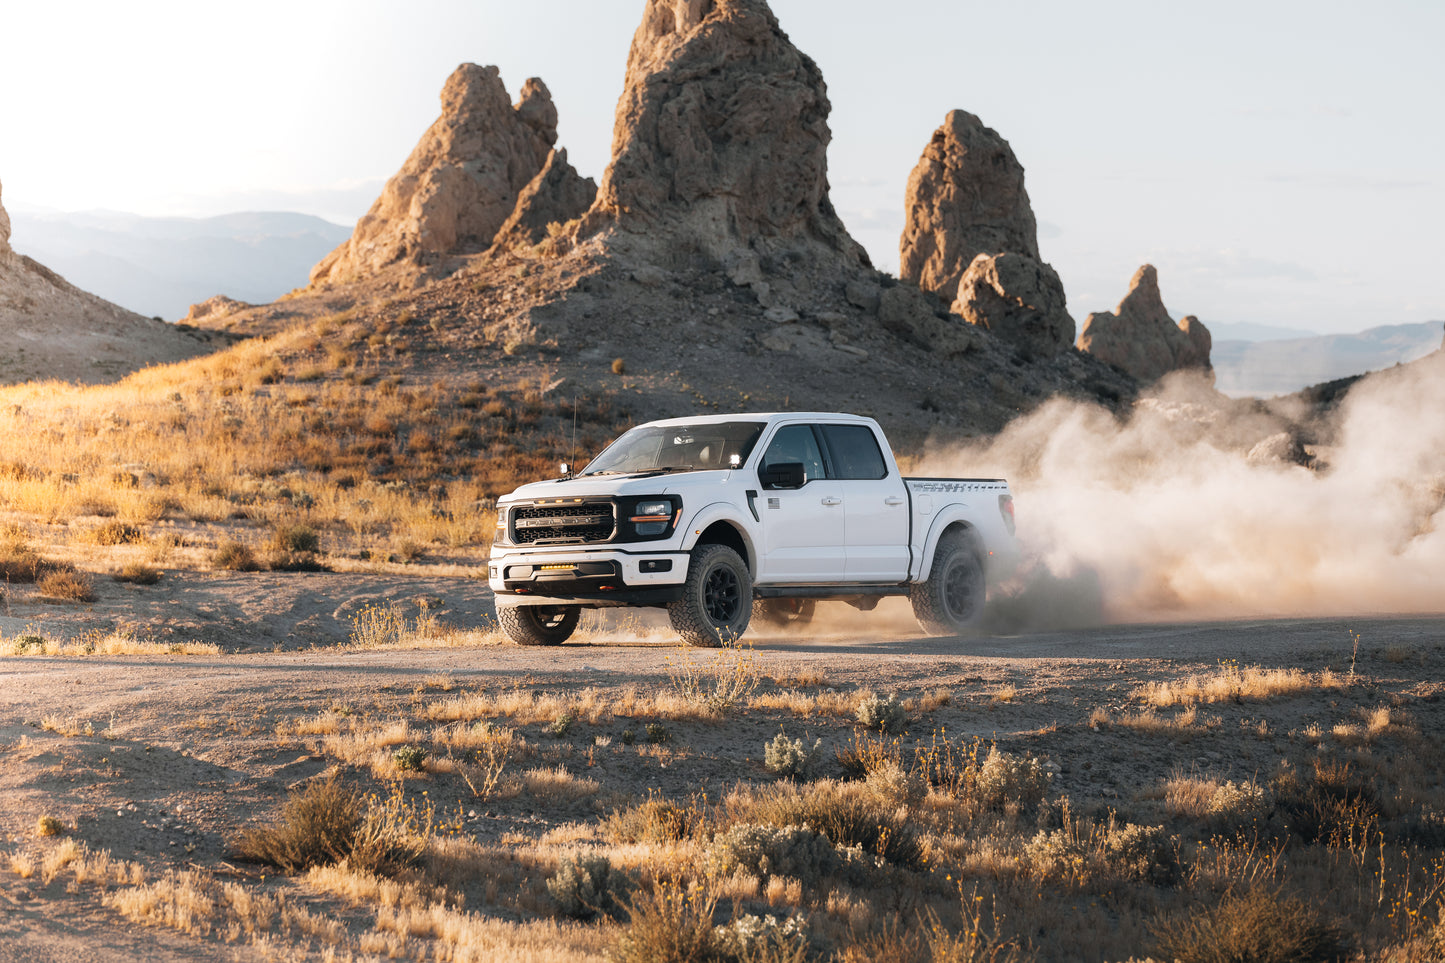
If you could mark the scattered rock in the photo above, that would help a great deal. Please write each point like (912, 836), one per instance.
(213, 308)
(720, 142)
(780, 314)
(965, 197)
(460, 183)
(557, 194)
(1281, 448)
(863, 294)
(1018, 298)
(1141, 338)
(908, 313)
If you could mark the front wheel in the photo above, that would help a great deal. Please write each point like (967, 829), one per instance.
(538, 624)
(950, 602)
(717, 598)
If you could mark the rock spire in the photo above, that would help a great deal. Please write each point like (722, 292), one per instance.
(965, 197)
(1019, 299)
(720, 139)
(4, 225)
(1140, 337)
(460, 183)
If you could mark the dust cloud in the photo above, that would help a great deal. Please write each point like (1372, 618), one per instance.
(1178, 512)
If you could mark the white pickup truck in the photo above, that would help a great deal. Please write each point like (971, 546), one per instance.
(724, 519)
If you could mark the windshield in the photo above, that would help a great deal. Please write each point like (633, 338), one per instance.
(699, 447)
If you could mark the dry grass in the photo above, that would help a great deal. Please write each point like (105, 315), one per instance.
(291, 430)
(1235, 684)
(99, 643)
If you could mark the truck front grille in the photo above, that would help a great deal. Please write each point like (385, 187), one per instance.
(559, 524)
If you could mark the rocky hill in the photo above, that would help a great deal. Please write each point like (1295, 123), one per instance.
(55, 330)
(710, 271)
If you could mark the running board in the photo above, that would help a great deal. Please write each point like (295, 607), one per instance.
(840, 590)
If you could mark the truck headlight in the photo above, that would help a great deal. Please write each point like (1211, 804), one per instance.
(652, 518)
(500, 538)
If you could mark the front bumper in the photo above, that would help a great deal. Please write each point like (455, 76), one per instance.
(599, 577)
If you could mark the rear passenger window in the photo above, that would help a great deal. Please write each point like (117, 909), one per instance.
(854, 450)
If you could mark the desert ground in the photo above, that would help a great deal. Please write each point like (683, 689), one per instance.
(131, 779)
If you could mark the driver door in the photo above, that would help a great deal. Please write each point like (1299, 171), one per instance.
(803, 528)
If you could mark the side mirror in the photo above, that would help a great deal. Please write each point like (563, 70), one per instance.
(784, 474)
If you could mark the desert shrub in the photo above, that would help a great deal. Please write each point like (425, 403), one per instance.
(667, 924)
(561, 725)
(657, 733)
(20, 563)
(655, 821)
(585, 886)
(846, 813)
(796, 852)
(115, 533)
(326, 823)
(893, 785)
(868, 752)
(66, 585)
(790, 757)
(295, 538)
(1257, 926)
(138, 573)
(1333, 804)
(1007, 780)
(294, 549)
(233, 556)
(49, 826)
(882, 714)
(754, 939)
(1089, 854)
(409, 758)
(618, 366)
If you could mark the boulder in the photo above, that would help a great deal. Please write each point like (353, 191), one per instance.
(460, 183)
(213, 308)
(965, 197)
(1141, 338)
(557, 194)
(1018, 298)
(909, 313)
(720, 140)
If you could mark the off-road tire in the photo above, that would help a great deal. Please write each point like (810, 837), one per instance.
(951, 601)
(783, 613)
(538, 624)
(717, 598)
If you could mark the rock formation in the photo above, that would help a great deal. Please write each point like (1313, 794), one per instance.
(720, 141)
(55, 330)
(965, 197)
(1018, 298)
(1141, 338)
(557, 194)
(460, 183)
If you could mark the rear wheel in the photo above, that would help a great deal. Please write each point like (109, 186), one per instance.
(717, 598)
(782, 613)
(951, 601)
(538, 624)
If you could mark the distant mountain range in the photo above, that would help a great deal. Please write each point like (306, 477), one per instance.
(1265, 368)
(159, 267)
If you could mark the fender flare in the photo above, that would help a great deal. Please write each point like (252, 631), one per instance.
(952, 515)
(725, 512)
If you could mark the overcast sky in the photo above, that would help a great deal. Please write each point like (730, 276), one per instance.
(1279, 162)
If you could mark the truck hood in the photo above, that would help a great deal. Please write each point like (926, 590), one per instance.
(603, 486)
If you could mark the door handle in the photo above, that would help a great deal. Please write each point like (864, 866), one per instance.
(893, 500)
(830, 500)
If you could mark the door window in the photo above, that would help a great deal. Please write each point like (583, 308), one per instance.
(795, 443)
(855, 453)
